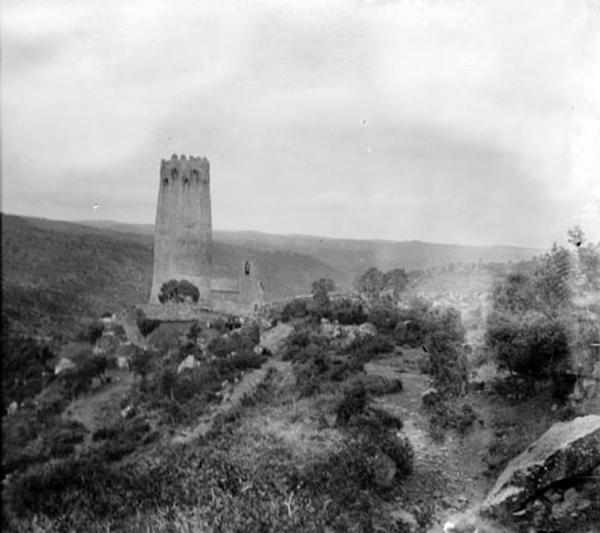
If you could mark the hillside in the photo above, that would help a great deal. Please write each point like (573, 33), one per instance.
(54, 274)
(353, 256)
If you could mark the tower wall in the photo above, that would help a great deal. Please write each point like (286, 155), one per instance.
(183, 229)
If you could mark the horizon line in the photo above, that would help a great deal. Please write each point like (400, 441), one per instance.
(91, 222)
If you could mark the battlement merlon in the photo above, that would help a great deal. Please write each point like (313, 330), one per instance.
(195, 169)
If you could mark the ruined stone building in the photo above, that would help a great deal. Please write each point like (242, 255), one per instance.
(183, 243)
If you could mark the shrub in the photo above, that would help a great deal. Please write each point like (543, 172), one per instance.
(143, 362)
(370, 283)
(364, 349)
(447, 365)
(242, 340)
(195, 331)
(79, 379)
(320, 292)
(352, 404)
(24, 363)
(303, 344)
(166, 336)
(297, 308)
(384, 319)
(377, 385)
(178, 291)
(145, 324)
(91, 332)
(398, 449)
(347, 312)
(532, 345)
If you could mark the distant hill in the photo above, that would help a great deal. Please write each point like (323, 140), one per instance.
(352, 257)
(54, 273)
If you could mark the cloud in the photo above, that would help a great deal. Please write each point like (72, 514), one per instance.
(481, 118)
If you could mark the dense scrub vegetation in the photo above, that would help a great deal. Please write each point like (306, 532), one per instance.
(535, 323)
(129, 475)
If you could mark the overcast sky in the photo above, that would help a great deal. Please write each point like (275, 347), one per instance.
(459, 121)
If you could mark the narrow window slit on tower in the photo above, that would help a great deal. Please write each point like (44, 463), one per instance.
(173, 173)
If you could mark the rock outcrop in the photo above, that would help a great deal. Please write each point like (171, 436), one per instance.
(189, 363)
(566, 450)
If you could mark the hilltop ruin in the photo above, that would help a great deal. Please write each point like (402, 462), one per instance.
(183, 246)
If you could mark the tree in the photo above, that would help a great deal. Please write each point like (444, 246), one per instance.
(552, 279)
(514, 294)
(178, 291)
(320, 291)
(531, 345)
(371, 283)
(588, 259)
(447, 363)
(395, 280)
(527, 330)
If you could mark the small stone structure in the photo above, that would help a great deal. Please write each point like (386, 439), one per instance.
(183, 246)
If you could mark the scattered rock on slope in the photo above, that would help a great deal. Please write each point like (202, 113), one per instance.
(566, 450)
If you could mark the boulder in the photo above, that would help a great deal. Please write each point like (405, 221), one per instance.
(566, 450)
(63, 364)
(122, 363)
(470, 522)
(12, 408)
(128, 412)
(189, 363)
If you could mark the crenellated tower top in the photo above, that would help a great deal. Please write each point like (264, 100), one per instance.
(185, 170)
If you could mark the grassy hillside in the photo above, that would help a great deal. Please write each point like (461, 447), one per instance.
(355, 256)
(54, 274)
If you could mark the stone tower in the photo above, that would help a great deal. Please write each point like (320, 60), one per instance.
(183, 230)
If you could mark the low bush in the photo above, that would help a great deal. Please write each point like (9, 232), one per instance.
(379, 385)
(145, 325)
(450, 415)
(533, 347)
(79, 379)
(242, 340)
(318, 370)
(90, 332)
(181, 397)
(61, 441)
(353, 403)
(347, 312)
(303, 344)
(385, 319)
(447, 365)
(364, 349)
(25, 362)
(297, 308)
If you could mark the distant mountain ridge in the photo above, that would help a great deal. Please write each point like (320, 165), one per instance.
(354, 256)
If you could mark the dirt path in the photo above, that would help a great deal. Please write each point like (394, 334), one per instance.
(449, 475)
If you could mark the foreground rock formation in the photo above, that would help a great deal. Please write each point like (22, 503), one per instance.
(566, 450)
